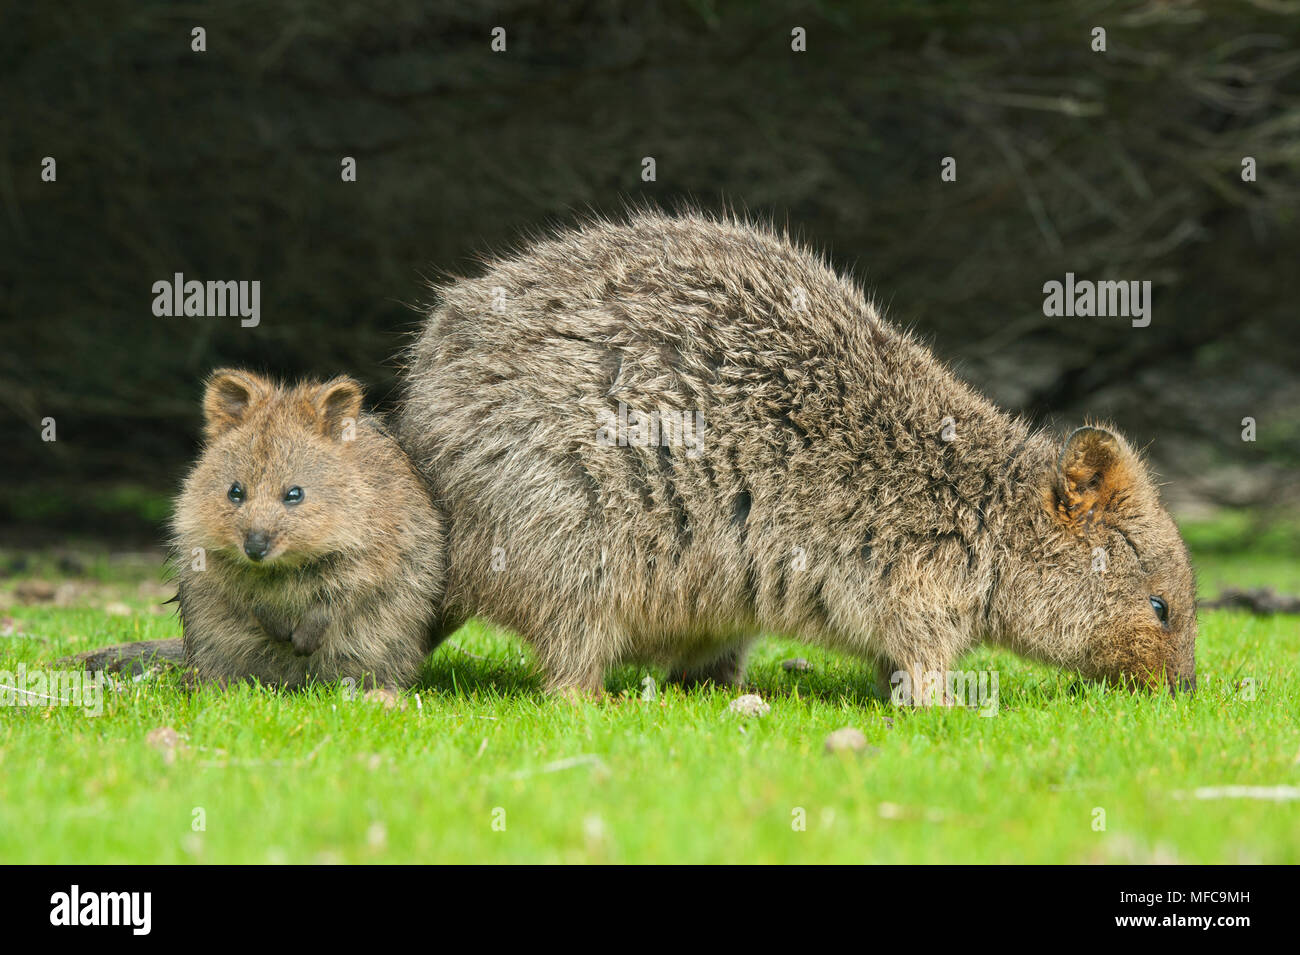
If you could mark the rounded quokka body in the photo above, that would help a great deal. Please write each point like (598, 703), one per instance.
(307, 546)
(654, 439)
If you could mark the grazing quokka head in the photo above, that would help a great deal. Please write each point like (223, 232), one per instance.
(1111, 591)
(277, 484)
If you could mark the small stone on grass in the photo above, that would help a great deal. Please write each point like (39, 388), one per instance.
(167, 741)
(385, 696)
(749, 705)
(849, 739)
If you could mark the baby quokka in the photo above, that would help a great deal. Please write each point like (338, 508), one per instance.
(307, 546)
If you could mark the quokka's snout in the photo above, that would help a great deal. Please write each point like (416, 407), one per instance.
(257, 544)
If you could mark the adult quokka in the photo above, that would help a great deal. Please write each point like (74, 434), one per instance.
(654, 439)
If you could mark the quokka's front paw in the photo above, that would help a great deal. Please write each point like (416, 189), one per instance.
(273, 626)
(310, 634)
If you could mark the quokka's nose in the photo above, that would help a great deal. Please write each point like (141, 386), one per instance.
(256, 544)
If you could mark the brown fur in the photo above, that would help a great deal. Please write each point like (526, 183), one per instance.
(353, 576)
(824, 502)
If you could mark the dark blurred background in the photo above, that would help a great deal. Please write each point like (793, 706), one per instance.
(226, 165)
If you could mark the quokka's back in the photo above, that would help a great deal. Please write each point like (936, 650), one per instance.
(653, 439)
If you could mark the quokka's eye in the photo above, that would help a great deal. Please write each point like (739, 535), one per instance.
(236, 493)
(293, 495)
(1161, 608)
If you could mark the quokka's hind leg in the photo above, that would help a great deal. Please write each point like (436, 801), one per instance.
(916, 684)
(576, 681)
(727, 669)
(574, 660)
(885, 670)
(584, 686)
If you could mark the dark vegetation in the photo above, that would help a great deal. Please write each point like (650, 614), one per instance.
(225, 165)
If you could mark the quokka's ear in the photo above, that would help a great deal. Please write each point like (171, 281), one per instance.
(1096, 476)
(338, 404)
(230, 395)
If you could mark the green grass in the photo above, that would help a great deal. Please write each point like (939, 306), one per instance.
(318, 777)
